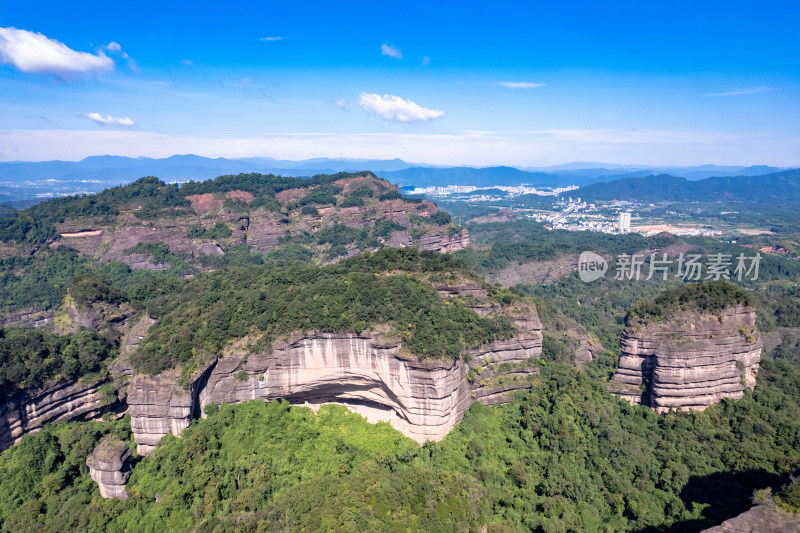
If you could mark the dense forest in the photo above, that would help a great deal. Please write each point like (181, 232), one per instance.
(712, 298)
(565, 455)
(31, 357)
(352, 295)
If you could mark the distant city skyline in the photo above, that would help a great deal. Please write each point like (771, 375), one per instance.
(638, 83)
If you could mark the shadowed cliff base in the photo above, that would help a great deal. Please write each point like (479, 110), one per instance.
(726, 495)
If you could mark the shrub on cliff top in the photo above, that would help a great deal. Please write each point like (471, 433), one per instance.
(352, 295)
(789, 497)
(712, 297)
(30, 357)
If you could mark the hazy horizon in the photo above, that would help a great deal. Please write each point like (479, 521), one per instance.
(675, 84)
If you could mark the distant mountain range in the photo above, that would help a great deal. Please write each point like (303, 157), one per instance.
(480, 177)
(22, 183)
(610, 172)
(777, 187)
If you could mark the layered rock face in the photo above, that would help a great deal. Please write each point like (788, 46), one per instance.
(689, 362)
(161, 404)
(420, 398)
(29, 410)
(109, 465)
(366, 372)
(423, 399)
(442, 242)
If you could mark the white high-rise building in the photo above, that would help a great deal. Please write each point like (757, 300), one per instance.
(624, 225)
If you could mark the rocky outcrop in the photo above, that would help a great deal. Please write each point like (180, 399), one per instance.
(109, 466)
(32, 319)
(29, 410)
(421, 398)
(690, 361)
(97, 316)
(144, 262)
(161, 404)
(264, 232)
(765, 518)
(205, 203)
(370, 374)
(443, 242)
(263, 228)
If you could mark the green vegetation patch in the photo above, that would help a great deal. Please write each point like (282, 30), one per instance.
(36, 224)
(711, 297)
(29, 357)
(353, 295)
(565, 456)
(219, 231)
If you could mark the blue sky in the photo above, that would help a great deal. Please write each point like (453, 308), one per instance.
(520, 83)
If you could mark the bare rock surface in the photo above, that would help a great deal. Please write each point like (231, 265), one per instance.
(370, 374)
(689, 362)
(161, 404)
(442, 242)
(109, 466)
(766, 518)
(33, 319)
(29, 410)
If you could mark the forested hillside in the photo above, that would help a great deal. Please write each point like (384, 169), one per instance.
(563, 455)
(782, 187)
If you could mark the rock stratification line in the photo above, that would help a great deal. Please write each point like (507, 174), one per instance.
(690, 361)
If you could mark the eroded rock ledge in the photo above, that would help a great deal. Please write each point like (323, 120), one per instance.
(689, 362)
(28, 411)
(110, 467)
(368, 373)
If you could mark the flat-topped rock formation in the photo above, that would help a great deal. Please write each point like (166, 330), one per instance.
(109, 465)
(690, 361)
(443, 242)
(366, 372)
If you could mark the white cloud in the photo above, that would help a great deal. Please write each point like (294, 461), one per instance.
(391, 51)
(34, 53)
(754, 90)
(518, 84)
(394, 108)
(109, 120)
(271, 39)
(115, 48)
(341, 103)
